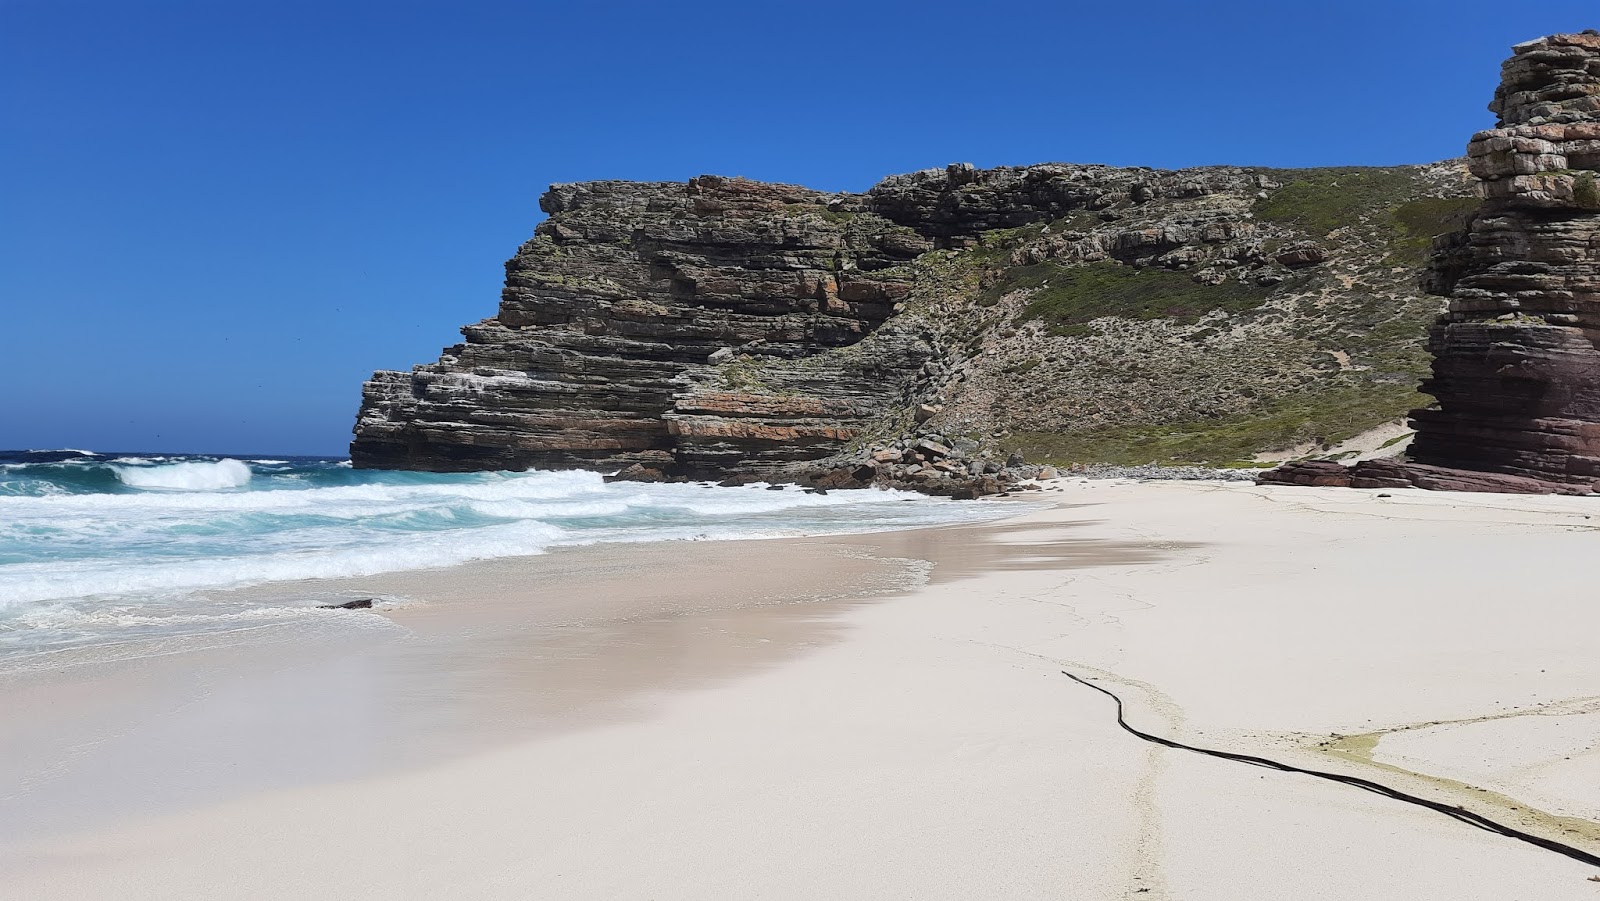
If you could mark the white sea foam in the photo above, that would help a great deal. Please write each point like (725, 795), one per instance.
(116, 562)
(28, 582)
(195, 476)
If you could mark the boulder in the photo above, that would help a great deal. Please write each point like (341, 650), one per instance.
(637, 472)
(359, 604)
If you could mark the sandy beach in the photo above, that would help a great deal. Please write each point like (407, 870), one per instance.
(874, 716)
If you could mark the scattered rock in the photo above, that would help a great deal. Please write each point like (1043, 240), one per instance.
(359, 604)
(637, 472)
(1299, 256)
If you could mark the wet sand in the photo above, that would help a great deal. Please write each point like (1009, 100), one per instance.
(467, 658)
(814, 718)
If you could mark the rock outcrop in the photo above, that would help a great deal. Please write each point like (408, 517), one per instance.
(1400, 474)
(1515, 366)
(1516, 369)
(624, 296)
(727, 328)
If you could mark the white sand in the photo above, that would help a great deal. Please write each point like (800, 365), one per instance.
(930, 749)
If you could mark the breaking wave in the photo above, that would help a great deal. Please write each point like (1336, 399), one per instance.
(91, 541)
(185, 476)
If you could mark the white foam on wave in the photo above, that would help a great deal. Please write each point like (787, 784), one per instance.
(61, 580)
(269, 462)
(195, 476)
(344, 500)
(559, 509)
(154, 546)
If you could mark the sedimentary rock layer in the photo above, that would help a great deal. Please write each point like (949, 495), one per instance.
(1516, 370)
(622, 294)
(1402, 474)
(724, 324)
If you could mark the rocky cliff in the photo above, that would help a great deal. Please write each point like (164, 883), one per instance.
(631, 326)
(1515, 368)
(1076, 312)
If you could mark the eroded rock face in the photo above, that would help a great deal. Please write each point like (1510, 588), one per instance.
(1516, 370)
(723, 327)
(723, 324)
(628, 291)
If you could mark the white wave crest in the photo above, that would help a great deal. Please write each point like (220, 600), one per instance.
(143, 546)
(186, 476)
(58, 581)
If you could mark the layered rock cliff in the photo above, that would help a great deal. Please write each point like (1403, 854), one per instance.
(616, 319)
(1515, 367)
(1078, 312)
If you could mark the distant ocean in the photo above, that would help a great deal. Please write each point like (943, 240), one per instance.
(101, 549)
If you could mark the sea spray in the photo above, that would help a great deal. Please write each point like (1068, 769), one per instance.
(192, 476)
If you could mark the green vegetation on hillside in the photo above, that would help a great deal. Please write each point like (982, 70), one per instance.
(1334, 349)
(1318, 201)
(1418, 222)
(1067, 298)
(1326, 417)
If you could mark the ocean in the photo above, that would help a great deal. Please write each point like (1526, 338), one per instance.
(102, 550)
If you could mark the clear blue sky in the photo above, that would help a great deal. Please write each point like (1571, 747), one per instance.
(218, 217)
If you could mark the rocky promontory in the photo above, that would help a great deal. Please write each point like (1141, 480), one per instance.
(938, 328)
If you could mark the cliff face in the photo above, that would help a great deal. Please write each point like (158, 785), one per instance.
(625, 295)
(1515, 368)
(1086, 312)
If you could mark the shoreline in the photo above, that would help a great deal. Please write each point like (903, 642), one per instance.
(455, 644)
(921, 742)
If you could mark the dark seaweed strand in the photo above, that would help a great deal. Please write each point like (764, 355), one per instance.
(1458, 813)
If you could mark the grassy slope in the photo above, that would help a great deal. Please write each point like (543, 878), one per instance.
(1378, 224)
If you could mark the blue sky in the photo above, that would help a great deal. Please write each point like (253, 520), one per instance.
(217, 218)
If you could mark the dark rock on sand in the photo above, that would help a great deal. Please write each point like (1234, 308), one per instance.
(360, 604)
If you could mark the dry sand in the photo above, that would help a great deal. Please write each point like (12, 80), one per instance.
(624, 724)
